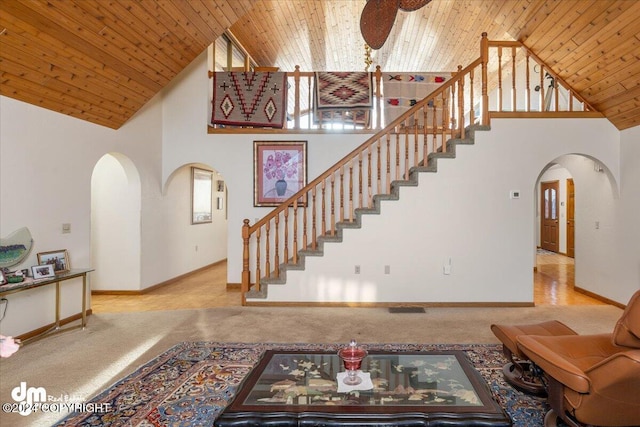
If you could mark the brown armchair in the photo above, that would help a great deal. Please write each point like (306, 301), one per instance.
(592, 379)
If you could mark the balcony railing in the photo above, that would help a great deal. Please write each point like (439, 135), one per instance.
(517, 84)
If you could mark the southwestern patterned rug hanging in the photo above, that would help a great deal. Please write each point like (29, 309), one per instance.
(191, 383)
(403, 90)
(343, 96)
(249, 99)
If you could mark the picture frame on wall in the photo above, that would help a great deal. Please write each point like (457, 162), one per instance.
(59, 259)
(201, 196)
(280, 171)
(42, 271)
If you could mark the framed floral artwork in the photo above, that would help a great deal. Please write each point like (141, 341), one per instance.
(280, 171)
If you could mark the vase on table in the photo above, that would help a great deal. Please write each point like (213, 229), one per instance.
(281, 187)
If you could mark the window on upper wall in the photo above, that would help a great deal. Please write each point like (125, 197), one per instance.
(228, 55)
(221, 47)
(237, 57)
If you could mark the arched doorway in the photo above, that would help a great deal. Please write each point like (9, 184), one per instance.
(585, 192)
(115, 224)
(555, 195)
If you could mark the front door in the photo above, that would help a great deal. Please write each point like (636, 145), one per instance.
(571, 207)
(549, 216)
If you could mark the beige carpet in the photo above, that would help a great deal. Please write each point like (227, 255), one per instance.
(82, 363)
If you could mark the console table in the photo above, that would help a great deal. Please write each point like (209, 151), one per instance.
(289, 388)
(29, 283)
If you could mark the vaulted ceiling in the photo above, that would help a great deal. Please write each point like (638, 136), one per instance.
(101, 61)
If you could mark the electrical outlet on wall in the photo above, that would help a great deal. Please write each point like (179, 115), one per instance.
(446, 268)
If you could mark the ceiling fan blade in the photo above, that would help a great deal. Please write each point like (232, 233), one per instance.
(376, 21)
(411, 5)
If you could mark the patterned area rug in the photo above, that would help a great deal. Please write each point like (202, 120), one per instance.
(249, 99)
(191, 383)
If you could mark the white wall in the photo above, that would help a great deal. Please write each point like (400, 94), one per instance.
(46, 163)
(463, 213)
(625, 278)
(115, 219)
(608, 258)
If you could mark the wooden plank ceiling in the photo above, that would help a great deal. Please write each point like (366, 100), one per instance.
(101, 61)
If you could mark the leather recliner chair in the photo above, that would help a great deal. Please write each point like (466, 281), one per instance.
(592, 379)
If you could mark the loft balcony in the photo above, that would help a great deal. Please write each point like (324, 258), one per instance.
(507, 80)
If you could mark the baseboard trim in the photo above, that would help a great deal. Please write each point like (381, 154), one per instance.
(234, 286)
(157, 286)
(387, 304)
(40, 331)
(599, 297)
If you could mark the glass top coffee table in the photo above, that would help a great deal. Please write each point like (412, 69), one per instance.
(289, 388)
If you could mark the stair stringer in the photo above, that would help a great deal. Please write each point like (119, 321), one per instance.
(359, 213)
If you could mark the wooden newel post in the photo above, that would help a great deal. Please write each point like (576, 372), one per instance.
(484, 55)
(246, 274)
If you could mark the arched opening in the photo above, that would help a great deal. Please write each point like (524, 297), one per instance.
(199, 238)
(115, 224)
(572, 193)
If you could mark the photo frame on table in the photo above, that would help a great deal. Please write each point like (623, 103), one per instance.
(42, 271)
(280, 171)
(59, 259)
(201, 196)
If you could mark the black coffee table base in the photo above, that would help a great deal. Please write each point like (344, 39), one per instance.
(283, 419)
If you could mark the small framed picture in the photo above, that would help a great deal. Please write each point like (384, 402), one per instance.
(42, 271)
(58, 259)
(3, 280)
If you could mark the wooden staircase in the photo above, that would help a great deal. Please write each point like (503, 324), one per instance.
(393, 158)
(411, 181)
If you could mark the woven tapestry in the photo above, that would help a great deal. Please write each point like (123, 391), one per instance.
(341, 95)
(403, 90)
(343, 90)
(249, 99)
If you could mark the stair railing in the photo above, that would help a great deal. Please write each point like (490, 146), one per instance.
(313, 215)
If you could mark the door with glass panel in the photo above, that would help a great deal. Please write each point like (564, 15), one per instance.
(549, 216)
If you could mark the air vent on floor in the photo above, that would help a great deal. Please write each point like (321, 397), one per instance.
(406, 310)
